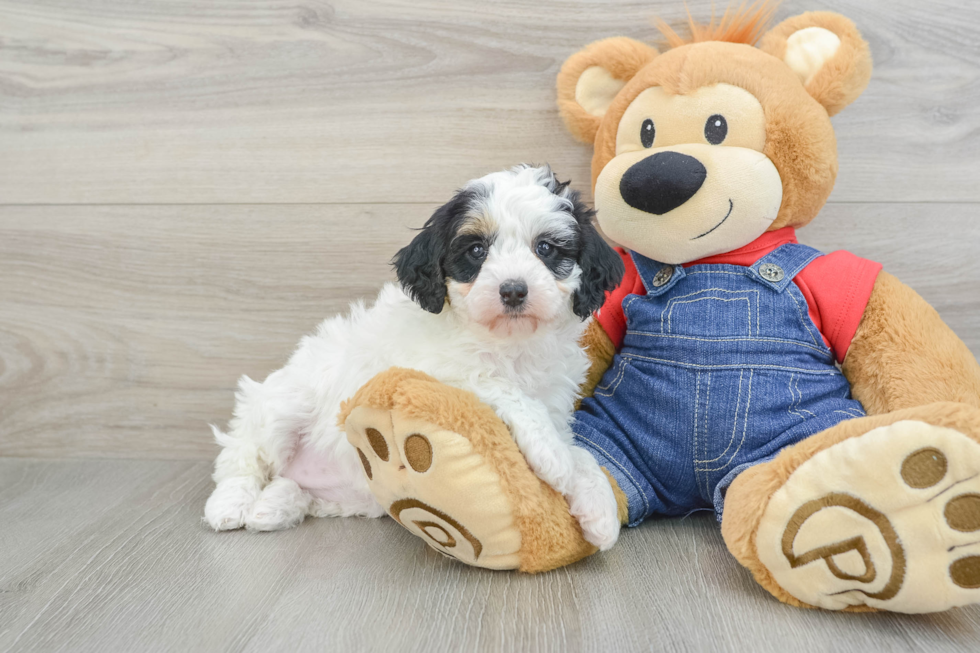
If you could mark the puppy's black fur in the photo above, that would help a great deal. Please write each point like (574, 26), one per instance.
(602, 268)
(420, 265)
(433, 255)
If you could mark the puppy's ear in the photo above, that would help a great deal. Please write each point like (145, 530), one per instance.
(419, 264)
(602, 268)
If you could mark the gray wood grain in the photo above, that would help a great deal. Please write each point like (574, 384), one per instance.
(153, 101)
(318, 132)
(112, 556)
(124, 329)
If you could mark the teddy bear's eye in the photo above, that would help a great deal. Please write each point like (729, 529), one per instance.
(647, 132)
(716, 129)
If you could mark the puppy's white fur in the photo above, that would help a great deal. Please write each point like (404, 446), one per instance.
(526, 365)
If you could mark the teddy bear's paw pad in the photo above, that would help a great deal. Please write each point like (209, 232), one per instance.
(433, 482)
(889, 519)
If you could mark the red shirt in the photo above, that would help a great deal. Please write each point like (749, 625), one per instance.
(836, 286)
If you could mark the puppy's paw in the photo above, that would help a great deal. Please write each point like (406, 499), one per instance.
(283, 504)
(361, 507)
(231, 502)
(599, 528)
(553, 465)
(592, 502)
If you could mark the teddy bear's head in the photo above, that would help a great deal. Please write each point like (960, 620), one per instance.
(704, 147)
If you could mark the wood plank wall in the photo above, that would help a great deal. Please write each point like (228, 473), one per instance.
(187, 187)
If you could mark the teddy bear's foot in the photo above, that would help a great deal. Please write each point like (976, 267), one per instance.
(888, 519)
(444, 466)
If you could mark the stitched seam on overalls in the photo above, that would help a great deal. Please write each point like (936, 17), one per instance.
(731, 440)
(791, 408)
(717, 299)
(700, 478)
(805, 321)
(651, 334)
(697, 416)
(737, 274)
(615, 462)
(631, 300)
(791, 264)
(851, 414)
(626, 308)
(745, 426)
(800, 404)
(812, 256)
(733, 366)
(669, 308)
(794, 407)
(610, 390)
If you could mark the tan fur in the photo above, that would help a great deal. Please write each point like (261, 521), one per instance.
(749, 494)
(600, 350)
(846, 75)
(903, 363)
(799, 137)
(478, 225)
(622, 505)
(622, 57)
(741, 25)
(904, 355)
(550, 536)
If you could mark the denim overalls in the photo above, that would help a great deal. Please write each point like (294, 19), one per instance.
(721, 368)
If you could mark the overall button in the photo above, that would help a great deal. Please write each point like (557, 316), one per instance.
(663, 276)
(771, 272)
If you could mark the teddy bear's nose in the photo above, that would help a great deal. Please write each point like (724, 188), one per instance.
(662, 182)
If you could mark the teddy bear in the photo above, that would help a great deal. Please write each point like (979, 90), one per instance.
(817, 405)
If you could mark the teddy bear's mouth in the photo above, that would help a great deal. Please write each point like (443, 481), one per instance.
(731, 205)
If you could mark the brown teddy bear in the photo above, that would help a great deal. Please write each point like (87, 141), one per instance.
(817, 404)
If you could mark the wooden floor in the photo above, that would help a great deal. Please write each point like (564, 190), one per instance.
(110, 555)
(186, 187)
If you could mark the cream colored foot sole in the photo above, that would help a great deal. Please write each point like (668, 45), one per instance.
(889, 519)
(432, 482)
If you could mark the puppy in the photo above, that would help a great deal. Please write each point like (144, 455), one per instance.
(496, 290)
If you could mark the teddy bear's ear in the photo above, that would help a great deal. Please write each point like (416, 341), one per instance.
(827, 52)
(591, 78)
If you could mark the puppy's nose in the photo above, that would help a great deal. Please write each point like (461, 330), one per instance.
(662, 182)
(513, 292)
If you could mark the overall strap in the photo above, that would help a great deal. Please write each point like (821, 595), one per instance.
(657, 277)
(778, 268)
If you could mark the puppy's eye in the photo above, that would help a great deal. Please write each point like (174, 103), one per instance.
(647, 133)
(544, 249)
(477, 251)
(716, 129)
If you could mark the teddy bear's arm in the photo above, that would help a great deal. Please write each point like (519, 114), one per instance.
(904, 355)
(600, 350)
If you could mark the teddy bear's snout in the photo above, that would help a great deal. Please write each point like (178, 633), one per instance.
(662, 182)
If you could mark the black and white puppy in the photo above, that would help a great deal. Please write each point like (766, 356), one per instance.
(496, 291)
